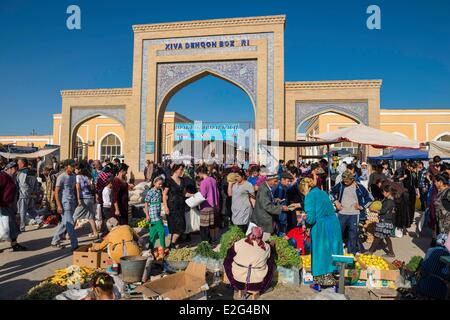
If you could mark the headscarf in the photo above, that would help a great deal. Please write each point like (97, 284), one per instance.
(111, 223)
(256, 235)
(441, 240)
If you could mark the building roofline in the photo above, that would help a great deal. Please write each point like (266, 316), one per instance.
(97, 92)
(209, 23)
(333, 84)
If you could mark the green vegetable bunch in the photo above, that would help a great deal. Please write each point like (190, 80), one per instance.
(414, 263)
(228, 239)
(204, 249)
(285, 255)
(44, 291)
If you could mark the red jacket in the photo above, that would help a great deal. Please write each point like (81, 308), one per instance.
(299, 235)
(8, 190)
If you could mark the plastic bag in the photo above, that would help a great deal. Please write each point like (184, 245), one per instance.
(192, 220)
(4, 228)
(421, 222)
(418, 203)
(195, 200)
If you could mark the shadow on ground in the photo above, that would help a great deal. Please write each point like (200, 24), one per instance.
(16, 288)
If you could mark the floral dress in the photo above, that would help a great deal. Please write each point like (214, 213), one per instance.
(385, 227)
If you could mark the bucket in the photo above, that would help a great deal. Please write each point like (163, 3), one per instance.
(132, 268)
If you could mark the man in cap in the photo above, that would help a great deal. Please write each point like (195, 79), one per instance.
(8, 201)
(65, 197)
(266, 207)
(351, 200)
(279, 194)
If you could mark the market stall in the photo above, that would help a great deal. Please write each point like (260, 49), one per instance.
(365, 135)
(402, 154)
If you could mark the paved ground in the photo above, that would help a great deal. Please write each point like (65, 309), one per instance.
(19, 271)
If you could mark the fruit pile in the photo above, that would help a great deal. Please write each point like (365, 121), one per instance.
(306, 261)
(372, 261)
(71, 276)
(398, 264)
(182, 254)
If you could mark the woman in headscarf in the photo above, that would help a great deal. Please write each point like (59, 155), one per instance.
(121, 241)
(326, 235)
(248, 264)
(433, 274)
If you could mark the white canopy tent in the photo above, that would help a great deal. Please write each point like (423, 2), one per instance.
(439, 148)
(32, 155)
(363, 134)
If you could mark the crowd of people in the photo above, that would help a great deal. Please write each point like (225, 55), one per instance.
(318, 207)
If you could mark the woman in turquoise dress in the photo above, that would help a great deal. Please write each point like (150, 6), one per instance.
(326, 236)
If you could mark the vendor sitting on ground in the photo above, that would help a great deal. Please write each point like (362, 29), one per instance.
(248, 264)
(433, 273)
(299, 237)
(103, 288)
(121, 241)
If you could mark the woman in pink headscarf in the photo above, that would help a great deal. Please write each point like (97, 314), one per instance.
(248, 264)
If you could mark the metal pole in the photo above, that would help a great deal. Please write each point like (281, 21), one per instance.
(329, 168)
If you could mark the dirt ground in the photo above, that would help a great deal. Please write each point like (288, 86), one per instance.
(19, 271)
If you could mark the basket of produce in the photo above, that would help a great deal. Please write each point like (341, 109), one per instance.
(178, 259)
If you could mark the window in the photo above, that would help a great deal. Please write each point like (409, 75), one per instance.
(110, 147)
(79, 149)
(347, 146)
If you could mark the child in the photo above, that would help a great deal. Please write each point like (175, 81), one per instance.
(103, 288)
(299, 237)
(153, 212)
(385, 227)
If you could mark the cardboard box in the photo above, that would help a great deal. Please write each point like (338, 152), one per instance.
(383, 294)
(83, 258)
(105, 261)
(186, 285)
(388, 275)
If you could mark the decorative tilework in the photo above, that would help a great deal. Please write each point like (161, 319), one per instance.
(80, 114)
(242, 72)
(357, 110)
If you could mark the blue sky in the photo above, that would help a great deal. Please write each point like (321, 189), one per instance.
(324, 40)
